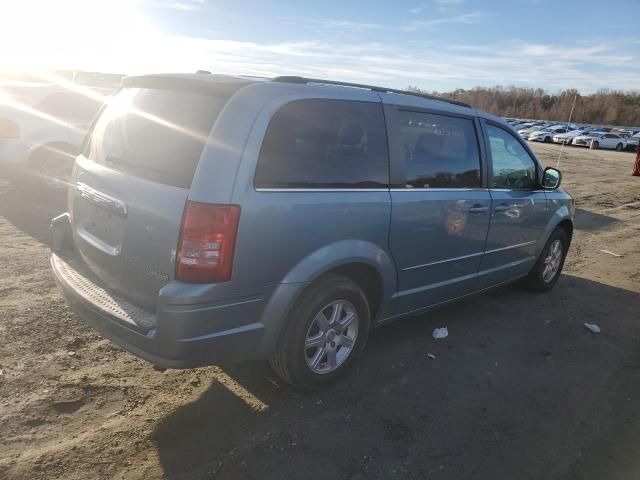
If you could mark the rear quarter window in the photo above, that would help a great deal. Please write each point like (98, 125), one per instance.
(324, 144)
(155, 134)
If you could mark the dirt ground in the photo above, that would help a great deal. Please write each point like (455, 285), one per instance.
(520, 389)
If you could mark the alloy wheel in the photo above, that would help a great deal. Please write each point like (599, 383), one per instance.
(552, 261)
(331, 337)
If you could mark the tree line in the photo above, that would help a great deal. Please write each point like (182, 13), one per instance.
(606, 107)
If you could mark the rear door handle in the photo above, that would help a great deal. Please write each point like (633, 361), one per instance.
(478, 209)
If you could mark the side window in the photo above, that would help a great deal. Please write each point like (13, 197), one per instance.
(440, 151)
(325, 144)
(513, 167)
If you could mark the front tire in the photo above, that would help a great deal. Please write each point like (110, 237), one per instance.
(619, 147)
(325, 333)
(546, 272)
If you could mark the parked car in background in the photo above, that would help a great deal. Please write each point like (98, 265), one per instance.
(41, 128)
(567, 138)
(601, 140)
(632, 142)
(546, 134)
(525, 132)
(218, 218)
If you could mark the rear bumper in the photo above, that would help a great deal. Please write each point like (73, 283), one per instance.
(178, 335)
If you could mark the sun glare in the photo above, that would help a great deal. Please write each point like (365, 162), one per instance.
(102, 35)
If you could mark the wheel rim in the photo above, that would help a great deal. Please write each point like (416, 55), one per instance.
(56, 172)
(619, 147)
(331, 337)
(552, 261)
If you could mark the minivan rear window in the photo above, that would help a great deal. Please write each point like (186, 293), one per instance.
(155, 134)
(322, 143)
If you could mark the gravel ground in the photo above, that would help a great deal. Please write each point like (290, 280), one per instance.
(519, 389)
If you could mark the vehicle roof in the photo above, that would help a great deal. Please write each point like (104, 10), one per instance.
(219, 83)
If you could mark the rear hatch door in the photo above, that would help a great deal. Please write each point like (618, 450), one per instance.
(132, 181)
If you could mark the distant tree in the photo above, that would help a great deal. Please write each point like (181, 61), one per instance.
(605, 106)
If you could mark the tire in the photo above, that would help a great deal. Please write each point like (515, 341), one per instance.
(547, 139)
(55, 172)
(596, 145)
(294, 363)
(539, 278)
(619, 147)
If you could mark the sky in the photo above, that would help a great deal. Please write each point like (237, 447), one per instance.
(437, 45)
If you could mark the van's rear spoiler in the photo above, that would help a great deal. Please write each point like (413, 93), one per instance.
(193, 83)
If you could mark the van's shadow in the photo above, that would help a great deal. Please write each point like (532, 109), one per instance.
(591, 221)
(519, 389)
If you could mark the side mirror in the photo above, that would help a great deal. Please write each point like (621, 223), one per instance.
(551, 178)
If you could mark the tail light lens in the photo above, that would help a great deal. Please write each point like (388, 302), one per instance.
(207, 241)
(9, 128)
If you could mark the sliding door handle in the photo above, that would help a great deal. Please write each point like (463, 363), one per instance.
(502, 208)
(478, 209)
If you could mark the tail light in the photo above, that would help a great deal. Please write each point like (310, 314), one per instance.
(9, 128)
(207, 241)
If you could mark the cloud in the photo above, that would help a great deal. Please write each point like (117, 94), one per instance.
(441, 5)
(509, 63)
(139, 48)
(466, 18)
(184, 5)
(447, 3)
(349, 25)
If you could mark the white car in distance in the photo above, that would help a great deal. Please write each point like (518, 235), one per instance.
(601, 140)
(632, 143)
(567, 138)
(547, 134)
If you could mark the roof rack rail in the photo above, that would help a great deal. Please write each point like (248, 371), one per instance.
(304, 80)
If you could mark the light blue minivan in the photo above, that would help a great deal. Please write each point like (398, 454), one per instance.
(217, 219)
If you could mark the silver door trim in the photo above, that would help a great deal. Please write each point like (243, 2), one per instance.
(464, 257)
(516, 190)
(510, 247)
(439, 189)
(439, 262)
(330, 190)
